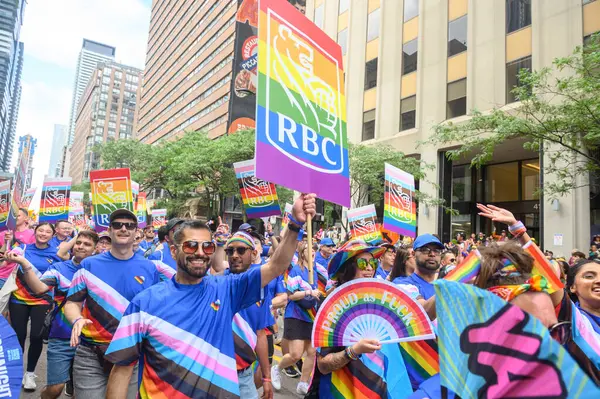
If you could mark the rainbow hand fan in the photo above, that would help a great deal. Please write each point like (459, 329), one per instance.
(373, 309)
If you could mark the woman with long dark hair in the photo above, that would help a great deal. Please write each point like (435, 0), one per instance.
(26, 306)
(404, 264)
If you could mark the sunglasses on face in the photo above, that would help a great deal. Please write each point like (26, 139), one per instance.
(240, 250)
(191, 247)
(427, 251)
(119, 225)
(363, 264)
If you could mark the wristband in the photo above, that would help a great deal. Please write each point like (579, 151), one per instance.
(221, 239)
(77, 319)
(266, 380)
(350, 353)
(517, 229)
(294, 221)
(293, 227)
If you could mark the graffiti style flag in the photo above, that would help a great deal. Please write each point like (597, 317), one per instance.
(492, 349)
(259, 197)
(286, 215)
(400, 213)
(111, 190)
(27, 197)
(363, 224)
(4, 203)
(301, 139)
(76, 213)
(141, 211)
(159, 218)
(54, 203)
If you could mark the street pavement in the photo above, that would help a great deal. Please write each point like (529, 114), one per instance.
(288, 389)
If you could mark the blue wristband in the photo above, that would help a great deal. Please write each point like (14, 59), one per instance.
(294, 221)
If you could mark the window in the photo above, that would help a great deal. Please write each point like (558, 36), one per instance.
(457, 99)
(502, 182)
(518, 14)
(408, 113)
(457, 36)
(461, 183)
(319, 16)
(373, 21)
(368, 132)
(411, 9)
(512, 77)
(343, 40)
(344, 4)
(371, 74)
(409, 57)
(530, 179)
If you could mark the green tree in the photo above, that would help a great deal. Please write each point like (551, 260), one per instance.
(558, 114)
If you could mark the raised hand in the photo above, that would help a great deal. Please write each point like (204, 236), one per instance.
(366, 346)
(76, 332)
(496, 214)
(304, 205)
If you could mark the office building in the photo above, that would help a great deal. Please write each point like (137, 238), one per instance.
(106, 112)
(27, 146)
(11, 67)
(59, 140)
(412, 64)
(91, 53)
(188, 71)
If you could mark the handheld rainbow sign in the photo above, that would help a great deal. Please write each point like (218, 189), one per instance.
(159, 218)
(369, 308)
(141, 211)
(111, 190)
(467, 270)
(286, 216)
(400, 214)
(54, 203)
(492, 349)
(135, 192)
(363, 224)
(4, 203)
(76, 213)
(27, 197)
(542, 266)
(301, 139)
(259, 197)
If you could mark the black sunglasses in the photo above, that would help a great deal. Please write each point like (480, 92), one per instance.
(119, 225)
(240, 250)
(191, 247)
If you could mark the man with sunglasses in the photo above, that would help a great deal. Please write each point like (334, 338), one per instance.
(325, 252)
(99, 294)
(182, 327)
(164, 254)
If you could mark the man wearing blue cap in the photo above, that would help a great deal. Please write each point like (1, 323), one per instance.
(326, 247)
(428, 252)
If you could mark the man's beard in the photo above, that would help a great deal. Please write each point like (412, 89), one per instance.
(185, 265)
(426, 267)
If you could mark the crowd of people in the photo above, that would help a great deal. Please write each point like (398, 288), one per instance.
(196, 312)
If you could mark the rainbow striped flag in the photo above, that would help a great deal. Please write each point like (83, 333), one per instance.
(542, 266)
(76, 214)
(135, 192)
(421, 360)
(159, 218)
(142, 211)
(467, 270)
(54, 203)
(27, 197)
(286, 216)
(111, 190)
(301, 139)
(259, 197)
(4, 203)
(400, 214)
(363, 224)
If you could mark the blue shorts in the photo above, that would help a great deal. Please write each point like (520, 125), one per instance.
(246, 381)
(60, 358)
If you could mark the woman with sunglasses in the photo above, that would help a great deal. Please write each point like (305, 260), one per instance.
(298, 320)
(346, 366)
(558, 310)
(26, 306)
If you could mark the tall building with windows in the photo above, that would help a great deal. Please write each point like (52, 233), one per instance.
(11, 67)
(90, 55)
(59, 140)
(412, 64)
(106, 112)
(27, 146)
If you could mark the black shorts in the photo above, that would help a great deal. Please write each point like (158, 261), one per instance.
(296, 329)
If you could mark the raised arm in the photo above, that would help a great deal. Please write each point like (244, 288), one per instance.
(303, 206)
(219, 259)
(65, 248)
(30, 277)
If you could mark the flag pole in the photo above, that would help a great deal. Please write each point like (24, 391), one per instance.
(309, 234)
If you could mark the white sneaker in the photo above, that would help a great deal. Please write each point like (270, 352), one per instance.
(275, 377)
(302, 388)
(29, 381)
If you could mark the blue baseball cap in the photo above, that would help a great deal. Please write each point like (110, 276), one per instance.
(328, 242)
(246, 227)
(425, 239)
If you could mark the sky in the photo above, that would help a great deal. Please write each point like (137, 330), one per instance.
(53, 32)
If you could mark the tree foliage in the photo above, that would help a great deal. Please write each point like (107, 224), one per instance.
(558, 113)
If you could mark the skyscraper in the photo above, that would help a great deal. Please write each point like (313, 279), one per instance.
(59, 140)
(27, 146)
(11, 66)
(91, 53)
(106, 112)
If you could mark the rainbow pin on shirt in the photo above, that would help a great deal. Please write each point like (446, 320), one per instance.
(215, 305)
(140, 279)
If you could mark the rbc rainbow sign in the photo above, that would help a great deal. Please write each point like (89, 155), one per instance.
(301, 139)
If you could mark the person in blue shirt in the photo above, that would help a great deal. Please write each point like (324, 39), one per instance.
(64, 232)
(148, 244)
(325, 252)
(386, 262)
(164, 254)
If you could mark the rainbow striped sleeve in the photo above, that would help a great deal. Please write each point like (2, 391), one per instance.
(78, 289)
(125, 347)
(165, 271)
